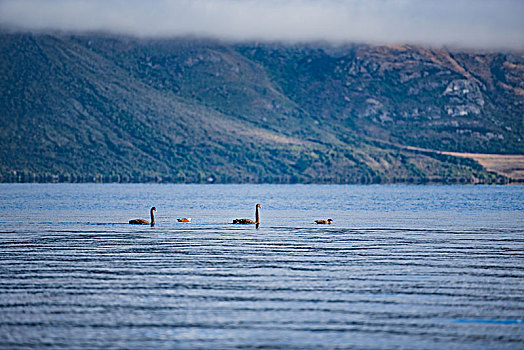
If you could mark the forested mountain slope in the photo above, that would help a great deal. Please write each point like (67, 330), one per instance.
(102, 108)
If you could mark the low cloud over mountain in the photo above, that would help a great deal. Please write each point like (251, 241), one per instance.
(466, 23)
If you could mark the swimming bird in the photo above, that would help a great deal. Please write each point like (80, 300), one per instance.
(144, 222)
(184, 220)
(328, 221)
(248, 221)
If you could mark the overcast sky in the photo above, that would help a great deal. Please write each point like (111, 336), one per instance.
(463, 23)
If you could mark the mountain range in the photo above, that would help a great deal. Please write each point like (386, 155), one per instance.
(97, 107)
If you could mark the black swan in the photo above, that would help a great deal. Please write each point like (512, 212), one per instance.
(328, 221)
(144, 222)
(248, 221)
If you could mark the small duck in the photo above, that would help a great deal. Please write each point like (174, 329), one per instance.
(324, 222)
(184, 220)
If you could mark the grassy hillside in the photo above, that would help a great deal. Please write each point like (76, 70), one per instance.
(98, 108)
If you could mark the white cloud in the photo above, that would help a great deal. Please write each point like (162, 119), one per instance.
(470, 23)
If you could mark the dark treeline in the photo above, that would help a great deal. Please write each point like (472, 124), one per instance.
(27, 177)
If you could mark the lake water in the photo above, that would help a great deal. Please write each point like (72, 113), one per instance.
(400, 267)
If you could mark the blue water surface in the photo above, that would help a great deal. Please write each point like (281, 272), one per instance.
(410, 267)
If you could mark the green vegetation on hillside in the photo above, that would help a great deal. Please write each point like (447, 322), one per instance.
(100, 108)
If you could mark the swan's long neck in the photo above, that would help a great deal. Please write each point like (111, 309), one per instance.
(152, 218)
(257, 219)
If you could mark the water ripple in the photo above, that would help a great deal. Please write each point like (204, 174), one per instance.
(77, 283)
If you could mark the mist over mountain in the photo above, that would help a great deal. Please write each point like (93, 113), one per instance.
(114, 108)
(481, 24)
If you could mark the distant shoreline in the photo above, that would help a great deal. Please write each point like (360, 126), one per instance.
(102, 180)
(508, 167)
